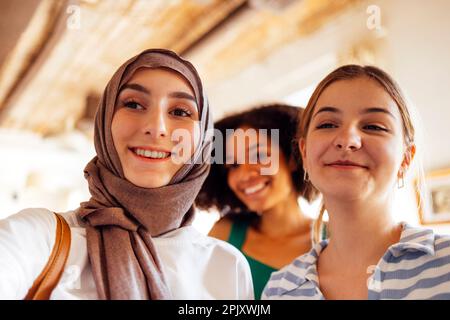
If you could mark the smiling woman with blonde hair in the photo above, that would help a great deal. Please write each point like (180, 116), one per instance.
(133, 239)
(357, 141)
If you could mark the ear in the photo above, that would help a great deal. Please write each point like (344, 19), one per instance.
(302, 148)
(407, 158)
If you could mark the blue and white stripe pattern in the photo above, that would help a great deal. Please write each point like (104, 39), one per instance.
(417, 267)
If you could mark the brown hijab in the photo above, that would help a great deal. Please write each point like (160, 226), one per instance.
(121, 218)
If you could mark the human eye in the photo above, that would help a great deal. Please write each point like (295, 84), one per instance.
(374, 127)
(181, 112)
(132, 104)
(326, 125)
(264, 156)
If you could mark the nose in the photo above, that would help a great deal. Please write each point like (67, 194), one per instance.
(156, 121)
(245, 172)
(348, 139)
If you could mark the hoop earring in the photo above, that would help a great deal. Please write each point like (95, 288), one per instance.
(305, 176)
(400, 181)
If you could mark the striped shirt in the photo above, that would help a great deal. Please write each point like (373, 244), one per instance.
(417, 267)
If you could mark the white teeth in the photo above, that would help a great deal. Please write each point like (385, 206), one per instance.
(254, 189)
(151, 154)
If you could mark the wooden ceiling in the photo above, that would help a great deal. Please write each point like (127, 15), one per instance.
(69, 49)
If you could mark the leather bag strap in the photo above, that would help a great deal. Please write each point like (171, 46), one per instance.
(51, 274)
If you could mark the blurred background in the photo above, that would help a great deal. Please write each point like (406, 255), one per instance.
(56, 57)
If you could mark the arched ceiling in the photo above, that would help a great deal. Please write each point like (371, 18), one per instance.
(60, 60)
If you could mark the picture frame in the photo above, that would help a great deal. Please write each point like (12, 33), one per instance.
(435, 207)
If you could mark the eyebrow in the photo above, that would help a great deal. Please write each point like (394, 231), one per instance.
(176, 94)
(377, 110)
(258, 146)
(365, 111)
(135, 87)
(182, 95)
(250, 149)
(328, 109)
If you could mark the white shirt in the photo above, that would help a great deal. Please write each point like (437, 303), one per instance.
(196, 266)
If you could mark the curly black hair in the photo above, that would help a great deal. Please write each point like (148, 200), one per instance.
(216, 193)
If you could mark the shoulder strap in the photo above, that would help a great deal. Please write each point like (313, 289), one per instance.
(238, 233)
(48, 279)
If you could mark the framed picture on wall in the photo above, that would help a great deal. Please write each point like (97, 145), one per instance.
(435, 208)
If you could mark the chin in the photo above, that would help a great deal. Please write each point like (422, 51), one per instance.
(149, 184)
(258, 211)
(261, 207)
(344, 193)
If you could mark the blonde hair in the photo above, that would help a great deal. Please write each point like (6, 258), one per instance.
(350, 72)
(318, 225)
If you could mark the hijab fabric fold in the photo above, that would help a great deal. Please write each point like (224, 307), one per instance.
(121, 218)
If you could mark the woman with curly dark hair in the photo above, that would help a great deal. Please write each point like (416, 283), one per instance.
(260, 212)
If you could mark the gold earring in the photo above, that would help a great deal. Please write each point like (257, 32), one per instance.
(305, 176)
(400, 181)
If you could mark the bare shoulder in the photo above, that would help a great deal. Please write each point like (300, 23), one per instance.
(221, 229)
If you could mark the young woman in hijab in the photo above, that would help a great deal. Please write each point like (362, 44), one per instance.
(261, 213)
(133, 238)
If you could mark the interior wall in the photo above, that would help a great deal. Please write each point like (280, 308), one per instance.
(418, 51)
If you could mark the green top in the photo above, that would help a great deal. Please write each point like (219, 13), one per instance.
(260, 271)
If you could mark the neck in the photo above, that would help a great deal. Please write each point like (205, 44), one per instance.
(286, 216)
(361, 231)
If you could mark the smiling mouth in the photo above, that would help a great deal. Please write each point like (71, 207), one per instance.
(255, 188)
(150, 154)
